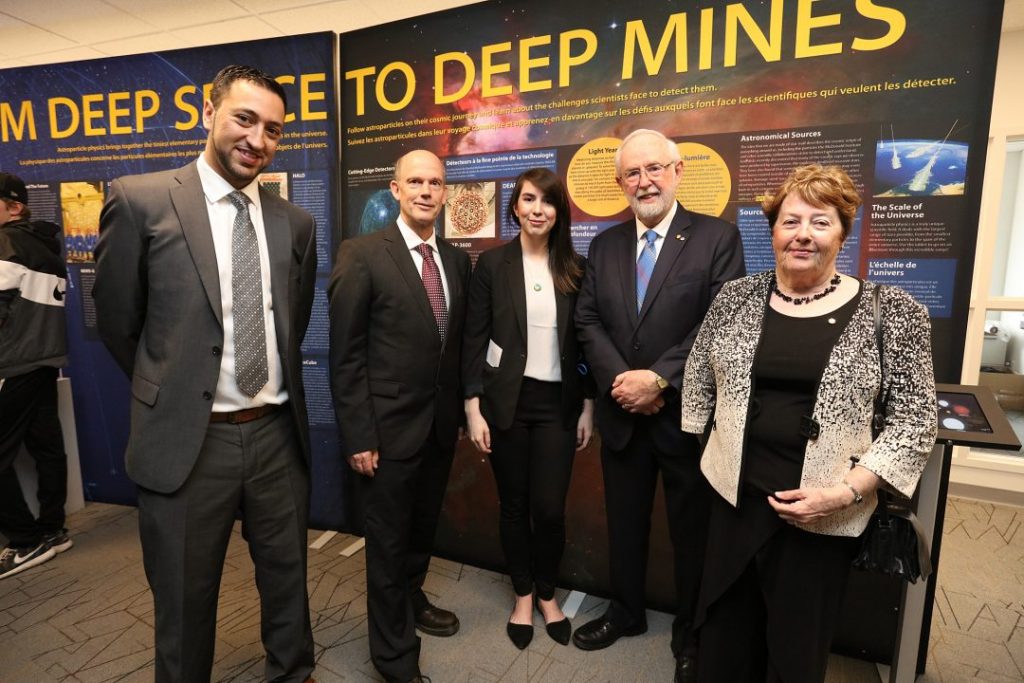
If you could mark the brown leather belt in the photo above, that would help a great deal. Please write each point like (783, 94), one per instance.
(238, 417)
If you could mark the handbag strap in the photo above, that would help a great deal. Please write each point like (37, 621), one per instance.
(882, 397)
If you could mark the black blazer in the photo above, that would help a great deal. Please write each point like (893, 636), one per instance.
(700, 253)
(392, 376)
(497, 312)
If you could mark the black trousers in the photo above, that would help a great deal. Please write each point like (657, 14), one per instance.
(402, 503)
(532, 462)
(630, 477)
(28, 414)
(256, 468)
(770, 610)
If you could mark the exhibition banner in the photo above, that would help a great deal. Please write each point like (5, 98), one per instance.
(897, 93)
(70, 129)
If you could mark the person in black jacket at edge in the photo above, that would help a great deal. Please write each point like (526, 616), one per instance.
(32, 346)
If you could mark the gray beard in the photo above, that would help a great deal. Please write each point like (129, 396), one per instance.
(650, 211)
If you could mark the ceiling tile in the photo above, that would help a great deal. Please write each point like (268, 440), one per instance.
(22, 39)
(165, 15)
(155, 42)
(260, 6)
(403, 9)
(334, 16)
(82, 21)
(73, 54)
(233, 31)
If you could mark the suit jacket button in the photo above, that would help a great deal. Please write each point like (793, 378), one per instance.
(636, 346)
(216, 350)
(207, 395)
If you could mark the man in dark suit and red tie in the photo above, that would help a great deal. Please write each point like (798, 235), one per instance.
(204, 286)
(397, 308)
(648, 283)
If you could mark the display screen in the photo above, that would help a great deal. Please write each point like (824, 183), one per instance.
(961, 413)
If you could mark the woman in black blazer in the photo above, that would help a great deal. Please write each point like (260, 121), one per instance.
(529, 399)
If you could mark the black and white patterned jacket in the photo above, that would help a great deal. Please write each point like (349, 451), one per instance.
(717, 383)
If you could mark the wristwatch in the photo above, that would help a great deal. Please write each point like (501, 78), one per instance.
(660, 381)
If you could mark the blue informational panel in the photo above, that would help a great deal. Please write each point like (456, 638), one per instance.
(69, 129)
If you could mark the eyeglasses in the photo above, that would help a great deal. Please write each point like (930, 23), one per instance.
(653, 171)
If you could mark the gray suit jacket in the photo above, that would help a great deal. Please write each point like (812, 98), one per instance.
(158, 308)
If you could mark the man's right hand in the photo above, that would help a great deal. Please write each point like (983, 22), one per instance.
(364, 463)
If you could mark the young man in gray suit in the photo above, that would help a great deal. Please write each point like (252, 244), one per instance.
(204, 285)
(648, 284)
(398, 306)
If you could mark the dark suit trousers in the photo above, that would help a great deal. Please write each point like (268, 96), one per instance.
(402, 505)
(256, 468)
(532, 462)
(630, 476)
(28, 414)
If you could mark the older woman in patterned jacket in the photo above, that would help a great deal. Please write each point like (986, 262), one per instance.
(782, 381)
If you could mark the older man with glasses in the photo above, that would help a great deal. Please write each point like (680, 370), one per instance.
(648, 284)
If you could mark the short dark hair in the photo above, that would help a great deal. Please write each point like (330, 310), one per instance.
(239, 72)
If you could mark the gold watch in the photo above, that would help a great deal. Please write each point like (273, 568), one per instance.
(660, 381)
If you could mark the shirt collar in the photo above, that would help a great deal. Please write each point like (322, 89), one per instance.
(661, 228)
(412, 240)
(216, 188)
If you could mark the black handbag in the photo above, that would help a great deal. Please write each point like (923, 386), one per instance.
(893, 542)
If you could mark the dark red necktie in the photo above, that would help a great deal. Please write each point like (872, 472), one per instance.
(435, 290)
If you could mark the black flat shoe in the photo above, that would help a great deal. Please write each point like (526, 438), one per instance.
(519, 634)
(560, 631)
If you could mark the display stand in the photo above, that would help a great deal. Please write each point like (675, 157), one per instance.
(968, 416)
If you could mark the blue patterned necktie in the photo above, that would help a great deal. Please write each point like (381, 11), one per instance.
(250, 334)
(644, 268)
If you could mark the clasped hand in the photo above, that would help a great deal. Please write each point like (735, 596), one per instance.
(637, 391)
(364, 462)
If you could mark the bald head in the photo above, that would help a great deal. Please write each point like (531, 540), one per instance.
(419, 188)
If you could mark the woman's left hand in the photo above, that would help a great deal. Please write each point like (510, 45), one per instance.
(585, 425)
(800, 506)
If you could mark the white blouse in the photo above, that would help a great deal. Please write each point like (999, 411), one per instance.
(542, 357)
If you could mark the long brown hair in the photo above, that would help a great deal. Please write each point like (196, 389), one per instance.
(565, 264)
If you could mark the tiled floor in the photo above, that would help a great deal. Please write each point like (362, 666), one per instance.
(87, 615)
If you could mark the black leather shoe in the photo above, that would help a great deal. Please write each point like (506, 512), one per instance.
(519, 634)
(686, 670)
(437, 622)
(600, 633)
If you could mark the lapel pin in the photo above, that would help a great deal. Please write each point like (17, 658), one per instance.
(680, 237)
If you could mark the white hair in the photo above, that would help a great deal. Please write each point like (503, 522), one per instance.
(670, 146)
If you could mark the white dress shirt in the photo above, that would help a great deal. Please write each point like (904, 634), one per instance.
(413, 241)
(222, 213)
(661, 228)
